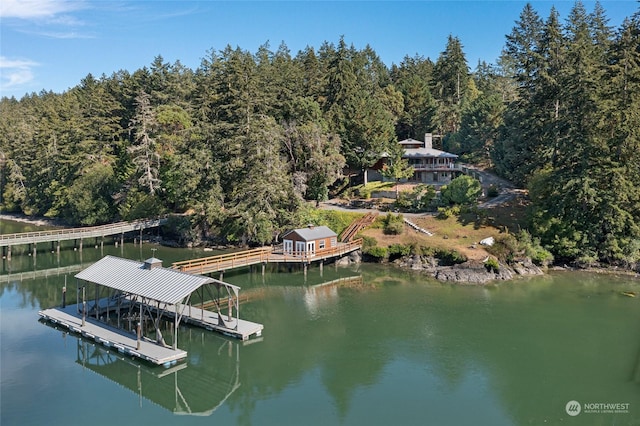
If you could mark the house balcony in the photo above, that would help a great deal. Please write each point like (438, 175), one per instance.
(437, 167)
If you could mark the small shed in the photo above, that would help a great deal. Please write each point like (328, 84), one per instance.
(307, 241)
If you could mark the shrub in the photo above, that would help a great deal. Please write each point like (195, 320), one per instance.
(449, 257)
(396, 251)
(446, 257)
(393, 224)
(509, 247)
(377, 253)
(462, 190)
(447, 212)
(367, 242)
(493, 191)
(492, 265)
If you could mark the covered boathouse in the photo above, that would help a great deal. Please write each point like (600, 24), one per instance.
(130, 299)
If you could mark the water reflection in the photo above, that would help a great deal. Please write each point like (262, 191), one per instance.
(198, 387)
(385, 347)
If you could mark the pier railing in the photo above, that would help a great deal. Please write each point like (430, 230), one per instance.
(239, 259)
(77, 233)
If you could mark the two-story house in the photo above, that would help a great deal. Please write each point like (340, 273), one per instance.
(431, 165)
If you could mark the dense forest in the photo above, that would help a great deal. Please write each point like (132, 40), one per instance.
(241, 141)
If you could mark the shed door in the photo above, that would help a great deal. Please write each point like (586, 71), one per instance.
(288, 246)
(311, 248)
(300, 245)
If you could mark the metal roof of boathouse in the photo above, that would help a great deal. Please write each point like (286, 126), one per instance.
(147, 279)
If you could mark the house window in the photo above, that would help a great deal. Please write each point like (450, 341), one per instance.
(334, 242)
(320, 244)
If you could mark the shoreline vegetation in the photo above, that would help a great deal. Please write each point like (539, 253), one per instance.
(458, 258)
(248, 141)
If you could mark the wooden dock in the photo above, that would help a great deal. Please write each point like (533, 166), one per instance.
(112, 337)
(126, 343)
(263, 255)
(232, 327)
(77, 234)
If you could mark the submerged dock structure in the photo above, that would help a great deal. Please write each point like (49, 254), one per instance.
(133, 303)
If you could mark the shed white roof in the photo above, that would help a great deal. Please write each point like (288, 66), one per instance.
(161, 284)
(312, 233)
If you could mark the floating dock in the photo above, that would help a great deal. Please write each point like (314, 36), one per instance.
(139, 293)
(232, 327)
(120, 340)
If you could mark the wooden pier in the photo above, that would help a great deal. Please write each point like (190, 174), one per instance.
(263, 255)
(212, 321)
(120, 340)
(56, 236)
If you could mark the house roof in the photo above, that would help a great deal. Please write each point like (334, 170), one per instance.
(161, 284)
(313, 233)
(426, 153)
(411, 141)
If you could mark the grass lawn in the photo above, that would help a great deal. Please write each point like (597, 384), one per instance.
(459, 233)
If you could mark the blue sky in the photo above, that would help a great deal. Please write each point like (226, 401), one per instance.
(53, 44)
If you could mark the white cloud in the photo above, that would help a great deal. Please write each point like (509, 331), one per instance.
(15, 72)
(35, 9)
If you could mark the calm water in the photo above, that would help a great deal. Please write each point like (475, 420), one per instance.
(389, 347)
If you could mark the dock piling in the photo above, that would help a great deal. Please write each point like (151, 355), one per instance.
(138, 336)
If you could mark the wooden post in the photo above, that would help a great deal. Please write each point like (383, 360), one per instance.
(9, 253)
(138, 335)
(175, 327)
(96, 302)
(84, 305)
(64, 294)
(221, 275)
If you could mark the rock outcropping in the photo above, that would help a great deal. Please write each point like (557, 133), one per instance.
(469, 272)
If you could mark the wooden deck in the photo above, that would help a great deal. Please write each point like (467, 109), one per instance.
(237, 328)
(225, 262)
(112, 337)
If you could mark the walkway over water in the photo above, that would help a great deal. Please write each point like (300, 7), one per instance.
(263, 255)
(57, 235)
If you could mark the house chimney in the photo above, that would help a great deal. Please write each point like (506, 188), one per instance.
(428, 140)
(310, 226)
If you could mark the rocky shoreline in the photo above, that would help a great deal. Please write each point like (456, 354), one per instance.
(470, 272)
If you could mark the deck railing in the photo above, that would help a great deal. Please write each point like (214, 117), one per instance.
(239, 259)
(76, 233)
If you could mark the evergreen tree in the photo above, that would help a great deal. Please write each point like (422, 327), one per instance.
(452, 84)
